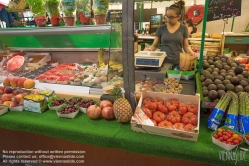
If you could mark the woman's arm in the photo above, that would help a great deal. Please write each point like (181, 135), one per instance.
(135, 46)
(187, 47)
(154, 45)
(190, 30)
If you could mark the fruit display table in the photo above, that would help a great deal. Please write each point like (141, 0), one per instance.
(108, 136)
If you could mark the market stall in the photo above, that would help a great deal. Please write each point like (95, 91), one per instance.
(59, 106)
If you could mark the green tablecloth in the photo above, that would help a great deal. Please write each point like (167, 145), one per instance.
(112, 134)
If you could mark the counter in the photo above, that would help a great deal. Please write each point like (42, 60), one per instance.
(26, 130)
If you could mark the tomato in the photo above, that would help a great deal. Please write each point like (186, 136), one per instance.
(215, 136)
(219, 134)
(221, 139)
(235, 142)
(178, 126)
(224, 132)
(155, 123)
(189, 118)
(174, 117)
(162, 108)
(165, 124)
(182, 110)
(229, 135)
(147, 112)
(158, 116)
(146, 100)
(158, 100)
(193, 108)
(171, 106)
(189, 128)
(240, 139)
(152, 106)
(225, 137)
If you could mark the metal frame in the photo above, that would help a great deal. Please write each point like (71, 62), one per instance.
(128, 50)
(57, 30)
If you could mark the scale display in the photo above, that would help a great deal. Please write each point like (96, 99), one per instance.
(149, 58)
(150, 62)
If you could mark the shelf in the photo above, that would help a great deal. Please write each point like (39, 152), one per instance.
(206, 39)
(56, 30)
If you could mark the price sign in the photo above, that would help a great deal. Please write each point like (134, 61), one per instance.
(32, 106)
(222, 9)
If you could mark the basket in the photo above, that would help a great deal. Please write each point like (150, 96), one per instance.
(174, 74)
(187, 75)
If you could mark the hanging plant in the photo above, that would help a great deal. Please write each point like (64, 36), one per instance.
(68, 7)
(101, 7)
(53, 7)
(37, 7)
(83, 8)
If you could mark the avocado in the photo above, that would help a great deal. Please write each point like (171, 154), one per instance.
(212, 87)
(226, 82)
(228, 77)
(203, 84)
(245, 74)
(207, 99)
(223, 74)
(202, 78)
(226, 67)
(231, 74)
(243, 83)
(223, 71)
(224, 64)
(229, 87)
(204, 88)
(216, 58)
(240, 76)
(209, 70)
(205, 65)
(238, 70)
(210, 76)
(204, 72)
(220, 93)
(212, 67)
(216, 69)
(245, 79)
(223, 59)
(234, 64)
(239, 88)
(217, 82)
(219, 66)
(221, 87)
(208, 82)
(235, 80)
(246, 89)
(219, 77)
(205, 93)
(212, 94)
(210, 62)
(216, 100)
(215, 73)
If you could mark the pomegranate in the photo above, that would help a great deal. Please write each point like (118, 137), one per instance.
(93, 112)
(105, 103)
(107, 113)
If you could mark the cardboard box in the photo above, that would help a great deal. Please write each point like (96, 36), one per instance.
(38, 59)
(145, 125)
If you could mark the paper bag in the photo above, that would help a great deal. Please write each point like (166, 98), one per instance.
(186, 61)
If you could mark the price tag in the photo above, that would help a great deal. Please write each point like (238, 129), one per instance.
(32, 106)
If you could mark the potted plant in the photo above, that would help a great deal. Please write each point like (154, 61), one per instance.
(68, 9)
(52, 7)
(82, 7)
(100, 10)
(38, 9)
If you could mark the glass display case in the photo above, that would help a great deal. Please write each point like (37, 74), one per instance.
(83, 56)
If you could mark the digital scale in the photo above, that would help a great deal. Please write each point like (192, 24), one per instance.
(149, 58)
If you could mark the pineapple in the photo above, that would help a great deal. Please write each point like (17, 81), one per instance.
(122, 108)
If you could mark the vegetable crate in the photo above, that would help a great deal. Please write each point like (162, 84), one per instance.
(140, 123)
